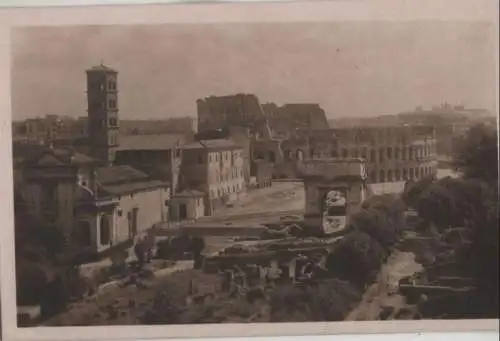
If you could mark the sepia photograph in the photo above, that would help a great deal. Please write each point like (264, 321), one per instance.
(254, 173)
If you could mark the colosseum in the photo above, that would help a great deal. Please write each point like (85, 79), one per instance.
(393, 153)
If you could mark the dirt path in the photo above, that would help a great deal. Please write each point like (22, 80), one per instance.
(382, 293)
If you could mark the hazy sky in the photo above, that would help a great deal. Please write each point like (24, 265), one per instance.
(353, 68)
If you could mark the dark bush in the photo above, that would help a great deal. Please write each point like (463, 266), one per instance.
(331, 300)
(357, 258)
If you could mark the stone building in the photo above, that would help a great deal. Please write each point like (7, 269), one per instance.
(97, 207)
(158, 155)
(392, 153)
(285, 119)
(216, 168)
(335, 189)
(240, 110)
(103, 125)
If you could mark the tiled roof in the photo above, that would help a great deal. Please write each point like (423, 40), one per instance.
(189, 193)
(58, 157)
(101, 68)
(150, 142)
(118, 174)
(215, 144)
(132, 187)
(119, 180)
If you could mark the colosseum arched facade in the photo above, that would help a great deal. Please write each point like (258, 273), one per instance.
(396, 153)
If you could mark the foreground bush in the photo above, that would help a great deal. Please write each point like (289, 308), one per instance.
(330, 300)
(357, 258)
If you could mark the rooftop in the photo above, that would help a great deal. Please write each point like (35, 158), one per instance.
(101, 68)
(212, 144)
(47, 157)
(150, 141)
(119, 180)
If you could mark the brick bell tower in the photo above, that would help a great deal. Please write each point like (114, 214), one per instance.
(102, 98)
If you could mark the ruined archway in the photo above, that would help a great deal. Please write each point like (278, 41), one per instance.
(334, 210)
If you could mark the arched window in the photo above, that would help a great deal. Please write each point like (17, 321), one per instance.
(373, 155)
(397, 175)
(396, 153)
(405, 174)
(373, 176)
(389, 176)
(83, 235)
(364, 153)
(299, 154)
(105, 230)
(381, 154)
(382, 176)
(345, 153)
(389, 153)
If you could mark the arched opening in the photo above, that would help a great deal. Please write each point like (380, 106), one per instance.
(334, 211)
(389, 153)
(382, 176)
(104, 230)
(299, 155)
(381, 153)
(397, 175)
(405, 174)
(373, 176)
(396, 153)
(389, 176)
(83, 234)
(364, 153)
(373, 155)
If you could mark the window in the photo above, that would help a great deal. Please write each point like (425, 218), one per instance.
(105, 230)
(411, 173)
(200, 159)
(112, 104)
(396, 153)
(389, 153)
(382, 176)
(389, 175)
(404, 154)
(355, 153)
(373, 155)
(381, 155)
(373, 176)
(397, 175)
(113, 122)
(345, 153)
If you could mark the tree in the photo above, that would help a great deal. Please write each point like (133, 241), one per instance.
(476, 154)
(436, 205)
(377, 224)
(356, 258)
